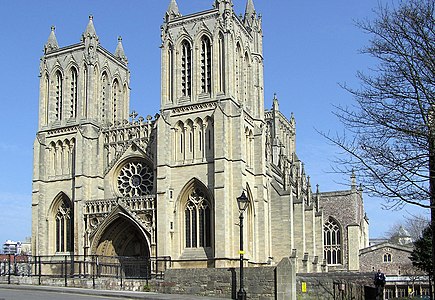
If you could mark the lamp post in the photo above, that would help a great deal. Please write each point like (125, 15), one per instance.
(242, 203)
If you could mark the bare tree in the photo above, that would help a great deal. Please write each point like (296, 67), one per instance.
(389, 135)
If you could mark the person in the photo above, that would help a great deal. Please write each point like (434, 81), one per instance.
(379, 283)
(379, 279)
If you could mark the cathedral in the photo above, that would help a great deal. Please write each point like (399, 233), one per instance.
(109, 182)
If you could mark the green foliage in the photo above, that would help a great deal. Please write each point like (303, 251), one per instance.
(147, 288)
(421, 256)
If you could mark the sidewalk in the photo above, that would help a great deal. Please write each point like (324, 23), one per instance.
(106, 293)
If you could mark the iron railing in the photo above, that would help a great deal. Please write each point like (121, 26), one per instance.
(81, 266)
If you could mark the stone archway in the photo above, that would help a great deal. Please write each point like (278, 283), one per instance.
(123, 238)
(123, 246)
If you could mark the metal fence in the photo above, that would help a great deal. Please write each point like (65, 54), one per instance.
(80, 266)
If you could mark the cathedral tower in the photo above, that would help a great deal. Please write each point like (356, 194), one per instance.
(83, 88)
(212, 115)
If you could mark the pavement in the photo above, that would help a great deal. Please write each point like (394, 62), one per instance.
(106, 293)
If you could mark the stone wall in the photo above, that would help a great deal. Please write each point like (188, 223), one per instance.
(261, 283)
(223, 283)
(103, 283)
(325, 285)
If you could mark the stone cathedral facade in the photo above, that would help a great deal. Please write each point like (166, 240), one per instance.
(107, 182)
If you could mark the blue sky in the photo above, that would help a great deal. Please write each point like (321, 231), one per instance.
(309, 48)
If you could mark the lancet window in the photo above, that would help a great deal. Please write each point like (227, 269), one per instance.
(205, 65)
(186, 69)
(249, 147)
(104, 91)
(59, 95)
(238, 71)
(221, 62)
(170, 74)
(116, 95)
(73, 94)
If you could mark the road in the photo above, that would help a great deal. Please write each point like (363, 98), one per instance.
(21, 292)
(9, 294)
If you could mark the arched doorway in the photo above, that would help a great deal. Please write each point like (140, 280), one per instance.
(123, 246)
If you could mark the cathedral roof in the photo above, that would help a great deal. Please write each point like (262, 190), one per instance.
(51, 44)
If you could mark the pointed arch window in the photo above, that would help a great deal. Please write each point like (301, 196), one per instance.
(205, 65)
(64, 227)
(46, 100)
(104, 91)
(197, 220)
(332, 242)
(221, 72)
(59, 95)
(186, 69)
(238, 71)
(73, 94)
(170, 75)
(115, 97)
(245, 75)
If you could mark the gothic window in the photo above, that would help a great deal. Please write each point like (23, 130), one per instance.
(59, 100)
(46, 99)
(387, 257)
(245, 75)
(205, 65)
(64, 227)
(85, 96)
(221, 72)
(249, 147)
(135, 179)
(209, 139)
(197, 220)
(170, 74)
(198, 139)
(332, 242)
(238, 71)
(115, 100)
(186, 69)
(104, 91)
(73, 94)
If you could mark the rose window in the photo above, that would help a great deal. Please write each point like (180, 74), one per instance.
(135, 179)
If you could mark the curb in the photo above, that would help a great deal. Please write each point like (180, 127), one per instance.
(105, 293)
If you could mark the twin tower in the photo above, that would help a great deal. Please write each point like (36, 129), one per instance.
(107, 182)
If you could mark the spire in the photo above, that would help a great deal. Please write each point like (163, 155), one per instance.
(353, 180)
(90, 30)
(250, 20)
(250, 10)
(119, 52)
(90, 39)
(173, 11)
(275, 105)
(223, 5)
(51, 44)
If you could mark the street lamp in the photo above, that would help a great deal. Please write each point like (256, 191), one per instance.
(242, 203)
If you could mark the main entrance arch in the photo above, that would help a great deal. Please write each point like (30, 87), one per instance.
(121, 244)
(122, 238)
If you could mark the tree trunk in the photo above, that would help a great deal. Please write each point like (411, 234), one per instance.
(432, 201)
